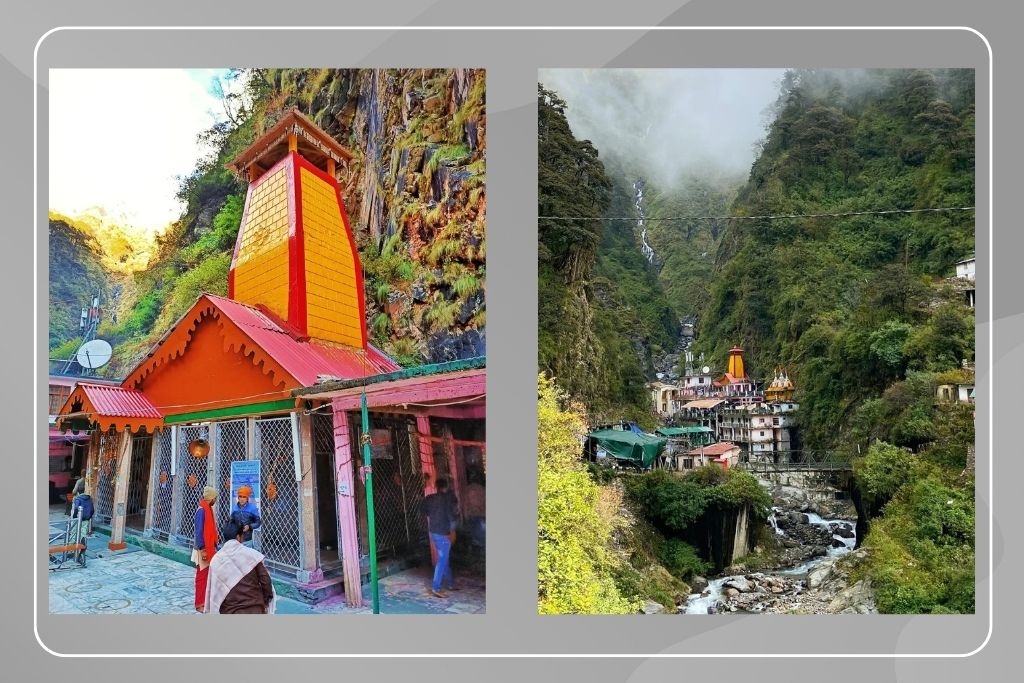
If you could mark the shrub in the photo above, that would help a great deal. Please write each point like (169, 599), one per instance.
(574, 573)
(681, 559)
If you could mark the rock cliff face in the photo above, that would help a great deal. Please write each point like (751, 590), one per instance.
(723, 535)
(415, 193)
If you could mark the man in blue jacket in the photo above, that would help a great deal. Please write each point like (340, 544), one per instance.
(245, 513)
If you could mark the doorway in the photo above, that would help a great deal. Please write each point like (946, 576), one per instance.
(138, 482)
(401, 530)
(329, 556)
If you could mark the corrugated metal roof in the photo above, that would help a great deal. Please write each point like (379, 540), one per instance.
(704, 403)
(677, 431)
(719, 448)
(118, 401)
(303, 360)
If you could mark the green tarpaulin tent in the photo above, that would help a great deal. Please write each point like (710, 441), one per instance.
(639, 449)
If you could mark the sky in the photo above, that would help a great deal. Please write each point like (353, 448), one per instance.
(120, 137)
(674, 119)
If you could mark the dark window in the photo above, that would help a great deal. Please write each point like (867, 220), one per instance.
(58, 394)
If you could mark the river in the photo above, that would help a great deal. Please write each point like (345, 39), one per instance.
(712, 596)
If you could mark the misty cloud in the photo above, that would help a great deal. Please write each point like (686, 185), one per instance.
(671, 121)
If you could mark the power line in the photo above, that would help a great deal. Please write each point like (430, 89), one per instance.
(772, 216)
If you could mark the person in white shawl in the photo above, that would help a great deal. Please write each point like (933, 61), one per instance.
(239, 582)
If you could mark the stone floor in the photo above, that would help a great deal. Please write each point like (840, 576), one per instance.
(135, 581)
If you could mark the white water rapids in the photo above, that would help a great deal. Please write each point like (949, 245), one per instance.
(698, 603)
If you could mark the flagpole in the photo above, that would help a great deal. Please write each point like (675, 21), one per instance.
(371, 522)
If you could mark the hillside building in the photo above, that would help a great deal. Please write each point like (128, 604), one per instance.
(733, 409)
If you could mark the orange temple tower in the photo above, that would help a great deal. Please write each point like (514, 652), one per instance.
(736, 369)
(295, 254)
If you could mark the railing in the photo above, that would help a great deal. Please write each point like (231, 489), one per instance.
(796, 461)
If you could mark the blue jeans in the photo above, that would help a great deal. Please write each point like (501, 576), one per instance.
(442, 570)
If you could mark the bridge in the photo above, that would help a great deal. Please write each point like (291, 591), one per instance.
(796, 461)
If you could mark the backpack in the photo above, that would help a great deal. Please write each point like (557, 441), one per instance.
(83, 501)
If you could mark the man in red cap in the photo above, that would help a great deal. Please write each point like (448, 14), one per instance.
(246, 514)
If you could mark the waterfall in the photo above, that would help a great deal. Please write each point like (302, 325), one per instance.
(831, 525)
(645, 247)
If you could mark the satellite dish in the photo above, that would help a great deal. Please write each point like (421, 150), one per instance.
(705, 369)
(94, 354)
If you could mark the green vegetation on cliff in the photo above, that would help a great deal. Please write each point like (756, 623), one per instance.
(414, 192)
(849, 303)
(575, 569)
(600, 310)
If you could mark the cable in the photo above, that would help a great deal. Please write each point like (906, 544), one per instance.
(450, 403)
(772, 216)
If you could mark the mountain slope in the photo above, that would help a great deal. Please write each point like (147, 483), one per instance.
(414, 191)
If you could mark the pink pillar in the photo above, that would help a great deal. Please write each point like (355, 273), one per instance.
(454, 470)
(427, 465)
(347, 519)
(426, 453)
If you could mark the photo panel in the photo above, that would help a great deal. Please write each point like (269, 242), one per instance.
(756, 324)
(266, 341)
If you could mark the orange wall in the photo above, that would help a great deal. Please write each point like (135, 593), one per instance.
(210, 377)
(331, 284)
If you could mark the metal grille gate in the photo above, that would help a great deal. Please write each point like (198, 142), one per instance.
(280, 535)
(138, 478)
(231, 447)
(163, 487)
(190, 478)
(107, 479)
(398, 492)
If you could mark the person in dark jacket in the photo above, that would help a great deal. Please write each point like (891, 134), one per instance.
(77, 489)
(442, 511)
(245, 512)
(239, 582)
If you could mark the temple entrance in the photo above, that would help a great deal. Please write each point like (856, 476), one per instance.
(401, 529)
(465, 452)
(325, 483)
(138, 482)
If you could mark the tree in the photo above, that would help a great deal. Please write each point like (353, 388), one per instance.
(574, 569)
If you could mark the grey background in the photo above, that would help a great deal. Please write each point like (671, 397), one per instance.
(511, 59)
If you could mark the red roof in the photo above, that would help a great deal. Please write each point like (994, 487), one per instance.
(118, 402)
(720, 448)
(303, 360)
(109, 406)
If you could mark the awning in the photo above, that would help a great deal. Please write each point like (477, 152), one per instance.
(460, 384)
(108, 407)
(681, 431)
(704, 403)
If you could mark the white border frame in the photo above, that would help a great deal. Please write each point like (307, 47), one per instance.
(35, 269)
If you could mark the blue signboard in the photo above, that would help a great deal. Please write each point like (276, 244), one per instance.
(245, 473)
